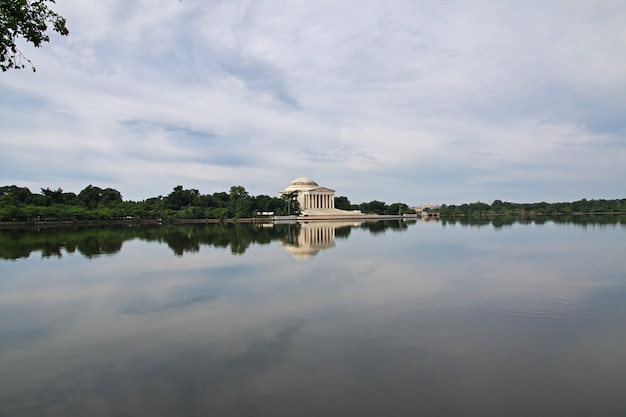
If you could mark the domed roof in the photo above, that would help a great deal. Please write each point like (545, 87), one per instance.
(301, 184)
(303, 181)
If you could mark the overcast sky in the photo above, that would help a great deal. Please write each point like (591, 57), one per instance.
(420, 101)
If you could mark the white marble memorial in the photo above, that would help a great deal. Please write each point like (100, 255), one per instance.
(315, 200)
(310, 194)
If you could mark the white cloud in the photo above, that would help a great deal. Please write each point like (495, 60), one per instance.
(431, 102)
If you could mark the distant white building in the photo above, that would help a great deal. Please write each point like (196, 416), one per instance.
(310, 194)
(424, 207)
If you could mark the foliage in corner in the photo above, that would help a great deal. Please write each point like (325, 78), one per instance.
(29, 20)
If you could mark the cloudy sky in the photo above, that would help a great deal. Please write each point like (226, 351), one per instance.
(419, 101)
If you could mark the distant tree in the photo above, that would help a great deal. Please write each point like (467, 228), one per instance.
(71, 199)
(180, 198)
(479, 208)
(92, 196)
(240, 202)
(15, 195)
(496, 206)
(52, 196)
(29, 20)
(220, 199)
(374, 207)
(342, 203)
(396, 208)
(291, 202)
(205, 200)
(110, 195)
(265, 203)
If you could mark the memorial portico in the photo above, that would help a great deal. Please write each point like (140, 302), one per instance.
(320, 198)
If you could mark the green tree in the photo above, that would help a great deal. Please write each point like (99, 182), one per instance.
(497, 206)
(180, 198)
(240, 202)
(342, 203)
(220, 199)
(265, 203)
(92, 196)
(397, 208)
(52, 196)
(15, 195)
(374, 206)
(291, 202)
(29, 20)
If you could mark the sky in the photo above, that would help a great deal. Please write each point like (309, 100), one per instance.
(419, 101)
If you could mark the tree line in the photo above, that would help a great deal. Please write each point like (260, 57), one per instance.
(374, 207)
(95, 203)
(499, 207)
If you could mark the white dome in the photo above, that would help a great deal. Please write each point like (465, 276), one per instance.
(301, 184)
(303, 181)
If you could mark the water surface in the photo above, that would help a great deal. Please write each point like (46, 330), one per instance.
(331, 319)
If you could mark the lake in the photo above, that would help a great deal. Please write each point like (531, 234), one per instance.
(425, 318)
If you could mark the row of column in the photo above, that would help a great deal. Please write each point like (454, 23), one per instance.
(317, 236)
(319, 201)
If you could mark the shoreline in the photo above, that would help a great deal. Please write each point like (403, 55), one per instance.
(285, 219)
(132, 222)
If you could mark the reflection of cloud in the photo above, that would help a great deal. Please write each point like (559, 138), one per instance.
(137, 307)
(396, 311)
(161, 382)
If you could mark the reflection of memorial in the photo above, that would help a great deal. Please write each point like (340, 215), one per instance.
(309, 238)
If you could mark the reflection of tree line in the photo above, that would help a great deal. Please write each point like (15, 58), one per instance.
(501, 221)
(19, 243)
(93, 241)
(382, 226)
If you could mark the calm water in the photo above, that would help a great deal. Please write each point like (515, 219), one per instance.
(323, 319)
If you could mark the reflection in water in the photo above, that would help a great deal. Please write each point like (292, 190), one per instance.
(310, 238)
(426, 318)
(303, 239)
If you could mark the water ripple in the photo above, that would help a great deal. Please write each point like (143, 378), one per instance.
(582, 303)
